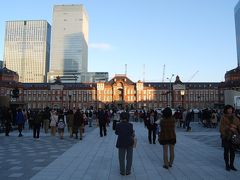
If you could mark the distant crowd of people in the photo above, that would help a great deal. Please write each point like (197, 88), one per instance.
(161, 127)
(54, 120)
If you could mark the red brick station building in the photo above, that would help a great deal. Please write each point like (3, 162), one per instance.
(120, 91)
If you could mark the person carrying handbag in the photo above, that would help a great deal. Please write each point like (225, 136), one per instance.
(228, 127)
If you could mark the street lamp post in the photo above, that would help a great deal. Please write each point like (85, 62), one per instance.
(170, 90)
(199, 101)
(69, 99)
(182, 92)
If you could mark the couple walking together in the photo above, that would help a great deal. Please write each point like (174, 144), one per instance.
(125, 141)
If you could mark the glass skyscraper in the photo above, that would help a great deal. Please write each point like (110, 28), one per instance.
(27, 49)
(69, 47)
(237, 27)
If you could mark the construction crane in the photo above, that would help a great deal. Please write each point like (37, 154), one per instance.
(163, 76)
(193, 76)
(143, 72)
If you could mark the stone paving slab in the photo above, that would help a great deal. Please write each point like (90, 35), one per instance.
(22, 157)
(96, 158)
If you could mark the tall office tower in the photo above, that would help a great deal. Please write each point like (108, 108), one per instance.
(237, 29)
(69, 48)
(27, 49)
(1, 64)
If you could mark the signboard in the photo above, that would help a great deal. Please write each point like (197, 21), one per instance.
(179, 87)
(237, 101)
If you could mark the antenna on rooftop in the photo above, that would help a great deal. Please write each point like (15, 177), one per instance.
(143, 72)
(125, 69)
(163, 76)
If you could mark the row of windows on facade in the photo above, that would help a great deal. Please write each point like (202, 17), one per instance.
(29, 53)
(163, 92)
(187, 85)
(31, 45)
(110, 98)
(57, 98)
(109, 92)
(84, 105)
(34, 36)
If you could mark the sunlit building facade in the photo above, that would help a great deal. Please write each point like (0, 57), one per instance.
(69, 47)
(27, 49)
(119, 92)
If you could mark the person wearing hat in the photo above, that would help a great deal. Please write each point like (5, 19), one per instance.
(125, 142)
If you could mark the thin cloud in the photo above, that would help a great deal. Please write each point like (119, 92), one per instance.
(100, 46)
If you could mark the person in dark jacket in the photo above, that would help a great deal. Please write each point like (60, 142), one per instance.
(152, 127)
(167, 136)
(189, 119)
(46, 119)
(102, 122)
(7, 117)
(229, 126)
(78, 124)
(125, 142)
(37, 121)
(20, 120)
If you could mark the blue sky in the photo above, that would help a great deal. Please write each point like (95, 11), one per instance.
(189, 37)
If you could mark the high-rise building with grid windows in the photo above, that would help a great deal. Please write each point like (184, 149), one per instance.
(69, 46)
(27, 49)
(237, 28)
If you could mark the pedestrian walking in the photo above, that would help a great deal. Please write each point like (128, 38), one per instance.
(228, 127)
(167, 136)
(20, 120)
(61, 124)
(125, 142)
(70, 119)
(46, 119)
(102, 122)
(53, 122)
(7, 117)
(37, 122)
(90, 117)
(78, 124)
(189, 118)
(152, 127)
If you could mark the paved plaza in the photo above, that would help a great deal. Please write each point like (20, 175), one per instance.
(198, 155)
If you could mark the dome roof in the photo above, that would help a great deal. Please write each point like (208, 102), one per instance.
(7, 71)
(233, 75)
(178, 81)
